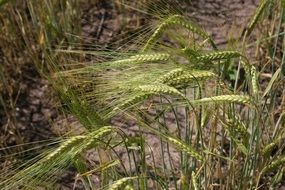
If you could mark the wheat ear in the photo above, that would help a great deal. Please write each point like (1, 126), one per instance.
(242, 99)
(141, 58)
(189, 77)
(170, 75)
(145, 91)
(159, 89)
(95, 135)
(254, 82)
(171, 21)
(268, 148)
(274, 165)
(256, 16)
(183, 147)
(218, 55)
(119, 183)
(65, 146)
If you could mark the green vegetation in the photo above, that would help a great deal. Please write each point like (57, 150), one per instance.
(222, 135)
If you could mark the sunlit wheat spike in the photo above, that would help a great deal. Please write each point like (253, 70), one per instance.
(133, 100)
(274, 165)
(213, 56)
(247, 68)
(189, 77)
(128, 187)
(95, 135)
(194, 181)
(257, 16)
(140, 58)
(119, 183)
(254, 80)
(170, 75)
(238, 134)
(159, 89)
(242, 99)
(268, 148)
(240, 128)
(172, 21)
(65, 146)
(183, 147)
(103, 167)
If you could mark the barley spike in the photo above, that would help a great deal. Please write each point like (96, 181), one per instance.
(190, 77)
(243, 99)
(274, 165)
(256, 16)
(170, 21)
(117, 184)
(65, 146)
(218, 55)
(159, 89)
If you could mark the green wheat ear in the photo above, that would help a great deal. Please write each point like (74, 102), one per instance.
(219, 55)
(159, 89)
(190, 77)
(60, 158)
(141, 58)
(143, 92)
(173, 20)
(254, 81)
(238, 133)
(274, 165)
(242, 99)
(268, 148)
(170, 75)
(70, 143)
(257, 16)
(183, 147)
(119, 183)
